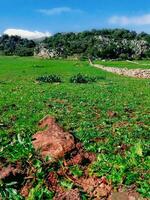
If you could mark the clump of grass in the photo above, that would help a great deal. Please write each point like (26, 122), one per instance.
(38, 66)
(53, 78)
(80, 78)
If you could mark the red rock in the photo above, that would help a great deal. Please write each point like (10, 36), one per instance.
(89, 185)
(68, 195)
(25, 190)
(52, 180)
(79, 146)
(77, 159)
(134, 196)
(100, 192)
(52, 142)
(112, 114)
(4, 172)
(90, 156)
(95, 187)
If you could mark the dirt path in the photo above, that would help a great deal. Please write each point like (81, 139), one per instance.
(137, 73)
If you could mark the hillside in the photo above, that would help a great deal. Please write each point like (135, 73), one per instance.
(98, 44)
(15, 45)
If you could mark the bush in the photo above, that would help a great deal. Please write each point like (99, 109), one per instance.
(38, 66)
(79, 78)
(123, 56)
(49, 79)
(24, 51)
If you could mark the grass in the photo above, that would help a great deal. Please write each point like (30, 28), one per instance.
(142, 64)
(114, 109)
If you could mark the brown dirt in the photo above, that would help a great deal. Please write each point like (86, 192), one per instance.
(52, 142)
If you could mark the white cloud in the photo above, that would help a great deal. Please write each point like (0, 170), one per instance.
(135, 20)
(27, 34)
(58, 11)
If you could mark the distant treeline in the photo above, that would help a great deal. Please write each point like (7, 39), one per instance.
(103, 44)
(96, 44)
(15, 45)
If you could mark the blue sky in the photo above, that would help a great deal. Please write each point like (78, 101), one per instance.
(73, 15)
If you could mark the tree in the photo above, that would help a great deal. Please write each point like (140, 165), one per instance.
(15, 45)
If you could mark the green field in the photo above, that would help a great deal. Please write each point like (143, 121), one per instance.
(141, 64)
(84, 112)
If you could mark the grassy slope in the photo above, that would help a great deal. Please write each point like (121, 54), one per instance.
(125, 64)
(23, 102)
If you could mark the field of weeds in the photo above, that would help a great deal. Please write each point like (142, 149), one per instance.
(109, 117)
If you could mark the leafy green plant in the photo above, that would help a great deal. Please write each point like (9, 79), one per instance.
(76, 171)
(66, 183)
(40, 192)
(80, 78)
(8, 192)
(53, 78)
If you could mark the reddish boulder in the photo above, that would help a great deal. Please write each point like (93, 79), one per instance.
(52, 142)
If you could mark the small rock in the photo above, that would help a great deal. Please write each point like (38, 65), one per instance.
(68, 195)
(95, 187)
(25, 190)
(4, 172)
(100, 192)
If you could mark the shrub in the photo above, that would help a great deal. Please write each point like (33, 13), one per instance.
(24, 51)
(79, 78)
(38, 66)
(49, 79)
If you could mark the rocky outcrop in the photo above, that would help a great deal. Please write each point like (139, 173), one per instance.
(43, 52)
(134, 48)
